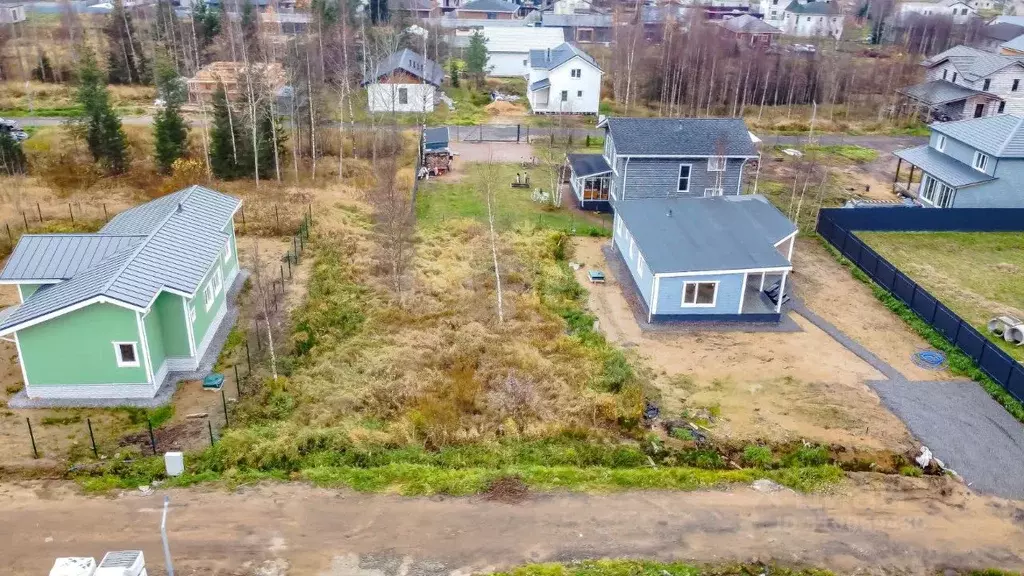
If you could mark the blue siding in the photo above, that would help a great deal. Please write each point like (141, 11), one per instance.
(962, 152)
(1004, 192)
(659, 178)
(670, 295)
(643, 279)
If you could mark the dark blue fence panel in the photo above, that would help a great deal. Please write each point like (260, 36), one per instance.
(1015, 385)
(996, 363)
(836, 226)
(946, 322)
(970, 341)
(905, 219)
(924, 304)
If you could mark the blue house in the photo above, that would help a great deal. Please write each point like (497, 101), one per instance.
(705, 259)
(976, 163)
(662, 158)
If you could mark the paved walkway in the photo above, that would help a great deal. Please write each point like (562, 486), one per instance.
(959, 422)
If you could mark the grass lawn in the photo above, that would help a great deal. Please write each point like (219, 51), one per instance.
(977, 274)
(443, 199)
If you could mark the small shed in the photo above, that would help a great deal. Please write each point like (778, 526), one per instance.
(435, 139)
(706, 259)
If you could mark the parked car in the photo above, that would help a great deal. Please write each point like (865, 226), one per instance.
(12, 129)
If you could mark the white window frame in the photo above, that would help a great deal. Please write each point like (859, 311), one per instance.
(940, 143)
(711, 192)
(208, 295)
(579, 93)
(227, 250)
(696, 289)
(980, 162)
(191, 313)
(944, 197)
(121, 363)
(618, 225)
(640, 263)
(403, 92)
(716, 163)
(632, 247)
(564, 96)
(218, 281)
(576, 72)
(689, 175)
(928, 185)
(986, 85)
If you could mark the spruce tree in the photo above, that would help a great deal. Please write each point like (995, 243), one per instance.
(224, 153)
(12, 158)
(102, 127)
(170, 132)
(207, 26)
(454, 67)
(476, 58)
(126, 59)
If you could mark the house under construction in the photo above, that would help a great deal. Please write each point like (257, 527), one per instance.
(203, 85)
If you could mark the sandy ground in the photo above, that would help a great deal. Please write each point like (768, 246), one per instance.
(491, 152)
(909, 526)
(771, 386)
(832, 292)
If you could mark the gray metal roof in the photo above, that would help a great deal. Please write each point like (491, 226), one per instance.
(1016, 44)
(939, 92)
(408, 61)
(1001, 136)
(576, 20)
(1002, 31)
(972, 63)
(588, 164)
(183, 239)
(681, 136)
(747, 24)
(61, 256)
(555, 57)
(489, 6)
(706, 234)
(943, 167)
(820, 7)
(540, 84)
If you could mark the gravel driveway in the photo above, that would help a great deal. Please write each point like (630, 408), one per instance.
(965, 428)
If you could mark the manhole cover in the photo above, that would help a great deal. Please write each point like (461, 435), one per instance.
(930, 359)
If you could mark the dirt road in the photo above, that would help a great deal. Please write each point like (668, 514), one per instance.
(919, 526)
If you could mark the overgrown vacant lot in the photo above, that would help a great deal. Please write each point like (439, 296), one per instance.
(978, 274)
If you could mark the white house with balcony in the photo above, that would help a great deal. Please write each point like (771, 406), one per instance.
(563, 80)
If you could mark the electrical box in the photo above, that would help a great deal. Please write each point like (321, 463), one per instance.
(122, 563)
(174, 462)
(74, 566)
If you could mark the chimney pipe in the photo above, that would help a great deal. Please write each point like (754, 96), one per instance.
(669, 213)
(549, 54)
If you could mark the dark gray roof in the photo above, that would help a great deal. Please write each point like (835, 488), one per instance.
(747, 24)
(972, 63)
(939, 92)
(437, 135)
(418, 5)
(1002, 31)
(183, 239)
(540, 84)
(681, 136)
(490, 6)
(576, 20)
(1001, 136)
(942, 167)
(549, 60)
(588, 164)
(707, 234)
(817, 8)
(61, 256)
(408, 61)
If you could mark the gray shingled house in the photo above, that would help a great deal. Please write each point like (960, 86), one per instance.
(115, 314)
(976, 163)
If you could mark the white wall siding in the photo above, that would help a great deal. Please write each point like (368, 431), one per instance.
(812, 25)
(509, 64)
(583, 94)
(91, 391)
(385, 97)
(1000, 84)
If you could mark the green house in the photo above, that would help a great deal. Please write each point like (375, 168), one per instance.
(116, 314)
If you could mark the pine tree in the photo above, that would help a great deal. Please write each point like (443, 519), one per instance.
(126, 60)
(43, 72)
(476, 57)
(12, 158)
(453, 66)
(102, 127)
(170, 133)
(223, 153)
(207, 26)
(265, 131)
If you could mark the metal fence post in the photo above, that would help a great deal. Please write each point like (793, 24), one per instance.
(152, 437)
(248, 358)
(40, 212)
(209, 426)
(71, 212)
(224, 402)
(238, 385)
(92, 438)
(35, 452)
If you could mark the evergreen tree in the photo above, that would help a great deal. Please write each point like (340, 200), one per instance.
(379, 12)
(453, 67)
(126, 59)
(476, 58)
(207, 25)
(266, 127)
(224, 144)
(170, 133)
(250, 26)
(43, 72)
(12, 158)
(102, 127)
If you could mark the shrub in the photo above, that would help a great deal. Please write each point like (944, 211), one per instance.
(912, 471)
(758, 456)
(682, 434)
(808, 456)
